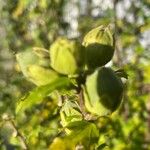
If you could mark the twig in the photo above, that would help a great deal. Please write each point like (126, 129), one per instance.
(16, 132)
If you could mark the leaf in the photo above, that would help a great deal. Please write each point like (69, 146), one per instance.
(102, 143)
(62, 144)
(127, 39)
(102, 146)
(77, 125)
(70, 112)
(83, 131)
(37, 95)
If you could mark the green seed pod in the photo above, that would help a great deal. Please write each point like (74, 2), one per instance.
(40, 75)
(43, 55)
(99, 45)
(103, 92)
(41, 52)
(25, 59)
(66, 57)
(33, 68)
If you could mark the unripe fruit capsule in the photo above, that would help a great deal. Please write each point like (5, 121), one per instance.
(66, 56)
(99, 45)
(103, 92)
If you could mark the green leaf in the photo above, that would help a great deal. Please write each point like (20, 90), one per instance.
(70, 112)
(62, 144)
(83, 131)
(77, 125)
(37, 95)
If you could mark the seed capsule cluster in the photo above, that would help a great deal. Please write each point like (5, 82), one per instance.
(102, 87)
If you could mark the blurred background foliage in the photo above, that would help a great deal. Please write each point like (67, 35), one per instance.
(28, 23)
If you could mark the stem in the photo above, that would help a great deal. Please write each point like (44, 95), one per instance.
(81, 103)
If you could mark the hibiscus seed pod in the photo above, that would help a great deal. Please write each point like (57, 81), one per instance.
(99, 45)
(41, 76)
(66, 56)
(25, 59)
(103, 92)
(43, 55)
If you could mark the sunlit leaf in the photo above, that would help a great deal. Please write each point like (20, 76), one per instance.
(70, 112)
(39, 93)
(62, 144)
(83, 131)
